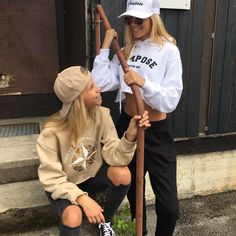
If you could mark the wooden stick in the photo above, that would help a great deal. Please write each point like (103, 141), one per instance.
(97, 32)
(140, 135)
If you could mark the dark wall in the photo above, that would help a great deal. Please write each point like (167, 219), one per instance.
(222, 113)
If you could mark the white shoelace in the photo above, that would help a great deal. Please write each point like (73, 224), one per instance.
(107, 230)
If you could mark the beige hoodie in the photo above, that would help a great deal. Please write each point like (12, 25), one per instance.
(63, 167)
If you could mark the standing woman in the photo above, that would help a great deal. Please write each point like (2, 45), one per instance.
(155, 66)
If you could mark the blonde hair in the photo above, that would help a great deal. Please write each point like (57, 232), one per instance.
(158, 35)
(76, 122)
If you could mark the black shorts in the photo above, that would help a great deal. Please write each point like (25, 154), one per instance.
(93, 185)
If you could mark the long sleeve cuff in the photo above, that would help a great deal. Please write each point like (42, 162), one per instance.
(104, 53)
(72, 195)
(127, 144)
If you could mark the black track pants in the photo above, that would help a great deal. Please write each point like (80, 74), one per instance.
(160, 162)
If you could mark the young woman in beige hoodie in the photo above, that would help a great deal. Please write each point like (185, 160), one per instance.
(80, 154)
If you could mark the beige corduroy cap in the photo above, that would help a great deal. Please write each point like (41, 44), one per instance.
(69, 84)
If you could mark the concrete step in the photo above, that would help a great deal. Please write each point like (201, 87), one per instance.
(24, 205)
(18, 160)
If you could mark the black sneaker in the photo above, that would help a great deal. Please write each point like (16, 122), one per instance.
(106, 230)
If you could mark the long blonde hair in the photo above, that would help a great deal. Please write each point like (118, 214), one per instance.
(158, 35)
(76, 122)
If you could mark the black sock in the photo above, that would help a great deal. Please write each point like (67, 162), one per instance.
(68, 231)
(114, 198)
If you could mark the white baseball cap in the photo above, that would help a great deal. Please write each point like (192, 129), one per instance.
(142, 8)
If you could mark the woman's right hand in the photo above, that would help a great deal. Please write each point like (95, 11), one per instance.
(109, 36)
(143, 121)
(92, 209)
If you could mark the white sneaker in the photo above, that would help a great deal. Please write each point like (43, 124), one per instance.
(106, 230)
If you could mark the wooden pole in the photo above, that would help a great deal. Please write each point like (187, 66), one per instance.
(140, 135)
(97, 32)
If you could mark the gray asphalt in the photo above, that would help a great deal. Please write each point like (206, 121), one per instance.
(213, 215)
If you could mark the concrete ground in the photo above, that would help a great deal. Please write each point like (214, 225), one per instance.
(213, 215)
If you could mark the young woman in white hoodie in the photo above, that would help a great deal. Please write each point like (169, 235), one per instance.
(80, 154)
(155, 66)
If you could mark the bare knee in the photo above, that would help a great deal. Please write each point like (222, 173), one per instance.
(119, 175)
(72, 216)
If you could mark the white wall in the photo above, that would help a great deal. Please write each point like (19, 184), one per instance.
(203, 174)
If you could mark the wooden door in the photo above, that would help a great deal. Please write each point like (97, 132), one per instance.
(29, 59)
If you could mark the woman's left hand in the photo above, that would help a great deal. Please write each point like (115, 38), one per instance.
(132, 77)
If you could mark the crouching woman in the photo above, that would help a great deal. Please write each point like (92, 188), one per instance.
(80, 154)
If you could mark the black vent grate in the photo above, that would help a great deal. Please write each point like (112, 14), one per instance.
(19, 129)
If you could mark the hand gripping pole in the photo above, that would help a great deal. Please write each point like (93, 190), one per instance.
(140, 108)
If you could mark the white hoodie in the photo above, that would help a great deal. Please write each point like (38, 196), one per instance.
(160, 66)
